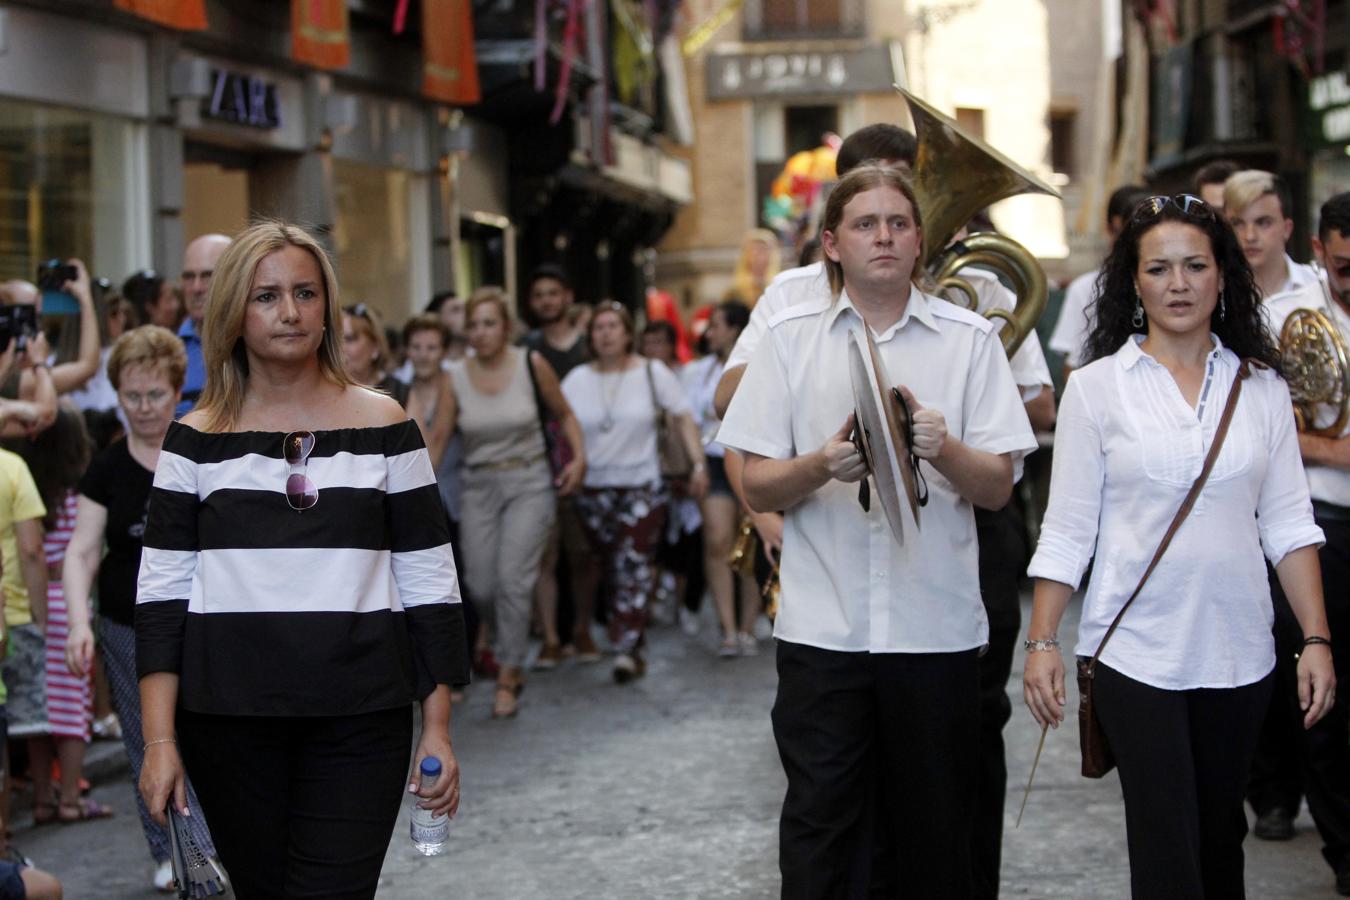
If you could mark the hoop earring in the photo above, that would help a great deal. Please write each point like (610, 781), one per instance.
(1222, 311)
(1137, 320)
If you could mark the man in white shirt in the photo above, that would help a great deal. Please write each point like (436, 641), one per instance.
(1258, 206)
(1324, 754)
(1080, 298)
(877, 641)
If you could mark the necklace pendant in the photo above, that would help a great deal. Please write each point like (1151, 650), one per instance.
(606, 424)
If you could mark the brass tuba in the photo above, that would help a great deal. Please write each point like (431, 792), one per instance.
(1317, 369)
(955, 176)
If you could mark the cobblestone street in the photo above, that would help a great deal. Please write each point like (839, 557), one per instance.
(670, 788)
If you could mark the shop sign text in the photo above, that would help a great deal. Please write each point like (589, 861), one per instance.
(242, 100)
(1329, 103)
(863, 70)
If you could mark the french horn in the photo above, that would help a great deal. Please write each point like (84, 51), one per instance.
(955, 176)
(1317, 369)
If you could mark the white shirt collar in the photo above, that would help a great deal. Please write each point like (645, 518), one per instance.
(916, 308)
(1131, 352)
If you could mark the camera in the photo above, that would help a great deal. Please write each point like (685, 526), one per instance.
(51, 278)
(18, 322)
(53, 275)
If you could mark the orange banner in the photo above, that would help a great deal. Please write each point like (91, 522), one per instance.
(185, 15)
(449, 65)
(320, 35)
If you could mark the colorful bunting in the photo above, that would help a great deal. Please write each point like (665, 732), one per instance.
(320, 34)
(450, 66)
(184, 15)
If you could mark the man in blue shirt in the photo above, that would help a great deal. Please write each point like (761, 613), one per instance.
(199, 261)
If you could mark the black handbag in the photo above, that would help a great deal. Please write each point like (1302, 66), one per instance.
(1098, 759)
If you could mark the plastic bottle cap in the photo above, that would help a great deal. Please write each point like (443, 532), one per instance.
(431, 767)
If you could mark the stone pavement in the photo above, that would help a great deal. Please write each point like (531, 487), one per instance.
(669, 789)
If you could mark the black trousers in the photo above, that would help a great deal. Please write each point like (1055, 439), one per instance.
(1322, 753)
(303, 806)
(1003, 560)
(1183, 758)
(920, 713)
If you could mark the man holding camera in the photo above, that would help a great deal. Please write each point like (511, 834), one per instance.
(199, 261)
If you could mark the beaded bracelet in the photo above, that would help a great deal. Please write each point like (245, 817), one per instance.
(1050, 643)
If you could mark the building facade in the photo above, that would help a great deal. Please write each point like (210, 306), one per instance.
(1021, 74)
(121, 138)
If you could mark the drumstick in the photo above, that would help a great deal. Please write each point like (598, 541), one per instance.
(1035, 762)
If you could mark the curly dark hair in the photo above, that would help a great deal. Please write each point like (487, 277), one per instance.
(1242, 327)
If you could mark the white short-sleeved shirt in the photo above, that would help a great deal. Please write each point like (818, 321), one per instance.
(1075, 319)
(624, 454)
(1326, 483)
(811, 284)
(846, 584)
(1302, 277)
(1127, 449)
(788, 288)
(1029, 369)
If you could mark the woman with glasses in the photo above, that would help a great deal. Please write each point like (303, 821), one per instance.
(297, 592)
(146, 368)
(617, 398)
(1182, 686)
(509, 493)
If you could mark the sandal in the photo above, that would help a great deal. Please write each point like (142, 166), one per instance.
(82, 811)
(43, 814)
(504, 703)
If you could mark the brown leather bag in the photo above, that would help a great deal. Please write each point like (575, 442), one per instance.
(1098, 759)
(675, 462)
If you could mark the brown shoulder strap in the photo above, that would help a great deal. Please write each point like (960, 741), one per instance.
(1220, 433)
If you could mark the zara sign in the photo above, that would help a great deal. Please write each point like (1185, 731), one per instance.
(242, 100)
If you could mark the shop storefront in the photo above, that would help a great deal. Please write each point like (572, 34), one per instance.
(73, 146)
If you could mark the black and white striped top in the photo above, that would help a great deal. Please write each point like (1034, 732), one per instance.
(349, 607)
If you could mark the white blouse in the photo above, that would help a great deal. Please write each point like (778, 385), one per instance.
(618, 420)
(1127, 449)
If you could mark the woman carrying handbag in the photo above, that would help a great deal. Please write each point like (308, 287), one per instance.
(1181, 685)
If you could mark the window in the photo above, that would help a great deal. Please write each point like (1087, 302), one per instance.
(780, 132)
(1062, 125)
(769, 19)
(71, 184)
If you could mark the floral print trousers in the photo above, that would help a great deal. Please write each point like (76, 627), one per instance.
(624, 526)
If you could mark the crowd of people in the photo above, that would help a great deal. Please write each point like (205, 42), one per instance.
(540, 446)
(213, 478)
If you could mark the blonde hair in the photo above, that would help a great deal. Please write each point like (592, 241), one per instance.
(745, 287)
(860, 179)
(150, 347)
(222, 332)
(1244, 188)
(490, 295)
(369, 323)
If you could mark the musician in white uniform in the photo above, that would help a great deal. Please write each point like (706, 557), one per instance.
(1323, 751)
(877, 642)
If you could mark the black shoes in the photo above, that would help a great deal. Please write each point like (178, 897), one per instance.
(1278, 825)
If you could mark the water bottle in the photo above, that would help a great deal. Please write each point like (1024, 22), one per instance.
(429, 833)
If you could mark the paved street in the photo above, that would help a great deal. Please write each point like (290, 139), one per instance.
(671, 789)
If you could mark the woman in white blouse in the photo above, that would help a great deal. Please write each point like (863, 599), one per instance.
(623, 501)
(1182, 686)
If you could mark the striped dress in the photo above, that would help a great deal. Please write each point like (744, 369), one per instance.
(70, 699)
(349, 607)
